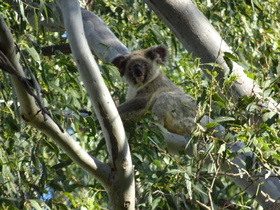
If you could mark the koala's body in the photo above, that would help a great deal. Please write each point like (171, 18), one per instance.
(150, 89)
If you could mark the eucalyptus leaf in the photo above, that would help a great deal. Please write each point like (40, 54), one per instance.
(34, 204)
(223, 119)
(35, 55)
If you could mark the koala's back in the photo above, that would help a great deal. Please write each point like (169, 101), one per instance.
(176, 112)
(173, 108)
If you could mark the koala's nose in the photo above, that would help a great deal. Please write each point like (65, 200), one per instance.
(138, 70)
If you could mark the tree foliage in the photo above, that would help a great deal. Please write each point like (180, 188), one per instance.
(35, 173)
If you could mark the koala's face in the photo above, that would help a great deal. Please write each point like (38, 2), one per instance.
(140, 67)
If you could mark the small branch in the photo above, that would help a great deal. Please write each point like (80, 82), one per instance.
(217, 164)
(226, 204)
(52, 50)
(203, 205)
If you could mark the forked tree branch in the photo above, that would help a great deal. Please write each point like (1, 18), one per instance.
(34, 117)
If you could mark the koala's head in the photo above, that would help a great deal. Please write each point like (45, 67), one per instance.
(141, 66)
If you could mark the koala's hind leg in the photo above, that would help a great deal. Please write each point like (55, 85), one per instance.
(176, 112)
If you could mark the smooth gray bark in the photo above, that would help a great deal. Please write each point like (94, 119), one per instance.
(102, 41)
(199, 37)
(121, 187)
(34, 117)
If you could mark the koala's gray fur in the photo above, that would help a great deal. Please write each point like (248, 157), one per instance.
(150, 89)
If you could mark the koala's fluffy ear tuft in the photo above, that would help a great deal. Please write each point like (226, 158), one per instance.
(157, 53)
(119, 62)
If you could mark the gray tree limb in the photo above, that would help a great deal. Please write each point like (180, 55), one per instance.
(198, 36)
(33, 116)
(121, 187)
(102, 41)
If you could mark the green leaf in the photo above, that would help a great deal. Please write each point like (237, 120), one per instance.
(209, 149)
(36, 22)
(218, 99)
(188, 184)
(156, 202)
(231, 56)
(174, 171)
(223, 119)
(268, 115)
(34, 54)
(211, 125)
(158, 163)
(222, 149)
(35, 204)
(211, 168)
(250, 74)
(70, 197)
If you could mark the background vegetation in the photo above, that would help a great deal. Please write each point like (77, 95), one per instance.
(35, 173)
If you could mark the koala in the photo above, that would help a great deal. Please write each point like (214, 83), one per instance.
(150, 89)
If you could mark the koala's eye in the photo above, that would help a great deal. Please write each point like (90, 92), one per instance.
(146, 65)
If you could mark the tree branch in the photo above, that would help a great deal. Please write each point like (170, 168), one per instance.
(198, 36)
(34, 117)
(258, 185)
(51, 50)
(121, 190)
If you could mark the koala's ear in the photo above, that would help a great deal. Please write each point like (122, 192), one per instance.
(157, 53)
(119, 62)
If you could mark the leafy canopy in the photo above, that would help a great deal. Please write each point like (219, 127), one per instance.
(35, 173)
